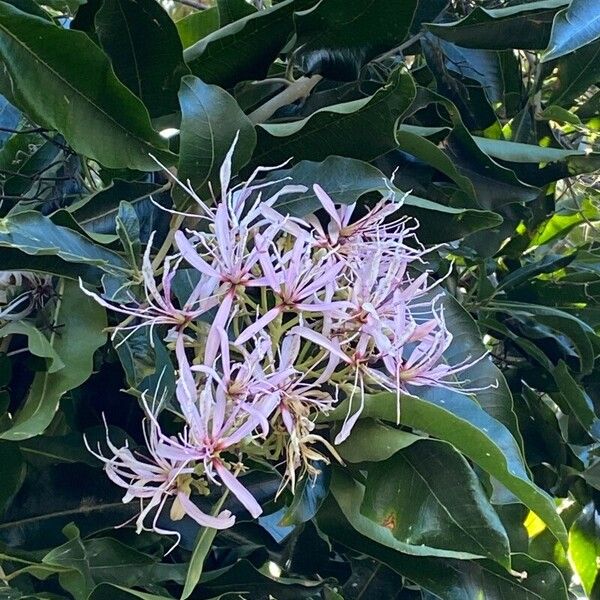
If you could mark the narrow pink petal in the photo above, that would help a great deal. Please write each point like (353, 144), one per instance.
(261, 323)
(223, 520)
(320, 340)
(238, 490)
(220, 322)
(327, 204)
(189, 253)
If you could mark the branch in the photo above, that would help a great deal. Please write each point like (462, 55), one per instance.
(299, 89)
(194, 4)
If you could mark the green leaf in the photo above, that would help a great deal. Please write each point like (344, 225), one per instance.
(104, 560)
(109, 591)
(137, 355)
(32, 233)
(81, 322)
(525, 25)
(201, 549)
(389, 527)
(578, 332)
(128, 230)
(573, 27)
(575, 400)
(22, 157)
(308, 497)
(245, 48)
(197, 26)
(13, 472)
(49, 500)
(363, 129)
(477, 175)
(211, 120)
(13, 259)
(584, 546)
(37, 342)
(575, 73)
(452, 579)
(82, 98)
(144, 48)
(495, 396)
(337, 37)
(372, 441)
(427, 482)
(233, 10)
(458, 419)
(555, 163)
(548, 264)
(97, 212)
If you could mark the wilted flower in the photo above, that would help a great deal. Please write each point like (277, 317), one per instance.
(21, 293)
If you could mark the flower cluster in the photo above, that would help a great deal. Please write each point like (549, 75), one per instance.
(287, 317)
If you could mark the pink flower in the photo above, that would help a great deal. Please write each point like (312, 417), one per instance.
(296, 279)
(417, 359)
(216, 426)
(347, 236)
(159, 308)
(155, 478)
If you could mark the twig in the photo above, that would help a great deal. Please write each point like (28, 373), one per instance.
(31, 130)
(299, 89)
(194, 4)
(407, 44)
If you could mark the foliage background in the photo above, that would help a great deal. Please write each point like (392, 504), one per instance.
(487, 111)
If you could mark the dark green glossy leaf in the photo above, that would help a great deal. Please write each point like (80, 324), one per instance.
(15, 260)
(575, 399)
(557, 163)
(128, 230)
(245, 48)
(48, 501)
(308, 497)
(494, 396)
(578, 332)
(144, 48)
(13, 472)
(103, 560)
(458, 419)
(548, 264)
(428, 482)
(109, 591)
(31, 233)
(525, 25)
(573, 27)
(37, 342)
(244, 577)
(575, 74)
(78, 332)
(82, 99)
(362, 129)
(211, 120)
(197, 26)
(372, 441)
(452, 579)
(233, 10)
(97, 213)
(23, 157)
(337, 37)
